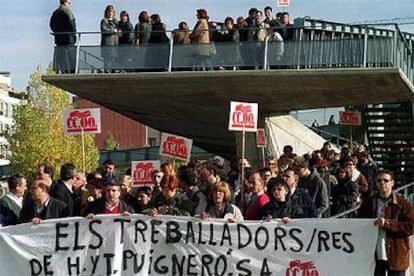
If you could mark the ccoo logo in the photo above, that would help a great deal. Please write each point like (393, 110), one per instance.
(297, 268)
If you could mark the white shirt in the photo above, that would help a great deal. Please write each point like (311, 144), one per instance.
(16, 199)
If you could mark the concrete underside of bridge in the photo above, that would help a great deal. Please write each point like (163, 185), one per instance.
(196, 104)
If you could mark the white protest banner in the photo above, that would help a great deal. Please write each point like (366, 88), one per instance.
(175, 146)
(142, 245)
(87, 120)
(243, 116)
(142, 171)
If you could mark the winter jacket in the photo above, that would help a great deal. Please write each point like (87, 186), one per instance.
(399, 217)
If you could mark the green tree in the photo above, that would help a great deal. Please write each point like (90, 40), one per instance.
(38, 135)
(110, 142)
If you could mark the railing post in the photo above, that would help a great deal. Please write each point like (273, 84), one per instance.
(365, 53)
(395, 54)
(77, 54)
(265, 53)
(299, 48)
(171, 52)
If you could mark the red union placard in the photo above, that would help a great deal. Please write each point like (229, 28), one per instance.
(352, 118)
(175, 146)
(243, 116)
(261, 138)
(283, 3)
(142, 171)
(86, 119)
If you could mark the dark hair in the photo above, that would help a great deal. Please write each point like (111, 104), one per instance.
(15, 180)
(67, 171)
(143, 17)
(189, 178)
(124, 13)
(47, 168)
(202, 13)
(252, 10)
(390, 173)
(274, 182)
(110, 181)
(145, 189)
(229, 19)
(155, 18)
(268, 8)
(97, 182)
(109, 162)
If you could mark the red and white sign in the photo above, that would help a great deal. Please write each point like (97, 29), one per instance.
(261, 138)
(283, 3)
(176, 146)
(142, 171)
(243, 116)
(86, 119)
(352, 118)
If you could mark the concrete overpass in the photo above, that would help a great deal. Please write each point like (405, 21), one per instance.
(196, 104)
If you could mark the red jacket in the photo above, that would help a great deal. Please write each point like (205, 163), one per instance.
(399, 216)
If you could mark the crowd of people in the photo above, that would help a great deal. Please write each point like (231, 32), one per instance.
(150, 30)
(289, 187)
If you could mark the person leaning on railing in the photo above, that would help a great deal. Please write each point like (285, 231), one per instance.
(395, 221)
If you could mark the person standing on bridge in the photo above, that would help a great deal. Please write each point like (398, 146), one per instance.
(395, 221)
(63, 25)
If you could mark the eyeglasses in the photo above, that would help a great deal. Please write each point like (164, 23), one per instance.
(383, 180)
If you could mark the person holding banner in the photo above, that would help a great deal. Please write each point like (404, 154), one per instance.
(111, 203)
(43, 206)
(171, 201)
(144, 196)
(220, 206)
(280, 205)
(395, 221)
(188, 181)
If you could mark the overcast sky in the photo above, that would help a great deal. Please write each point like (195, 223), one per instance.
(25, 40)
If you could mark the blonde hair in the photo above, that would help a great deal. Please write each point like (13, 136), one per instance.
(223, 187)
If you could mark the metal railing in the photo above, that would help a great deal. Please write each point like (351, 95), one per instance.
(316, 44)
(407, 191)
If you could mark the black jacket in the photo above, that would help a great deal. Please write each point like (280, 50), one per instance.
(63, 21)
(54, 209)
(62, 193)
(280, 210)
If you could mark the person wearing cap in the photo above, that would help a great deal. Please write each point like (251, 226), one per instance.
(395, 222)
(280, 206)
(111, 203)
(43, 206)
